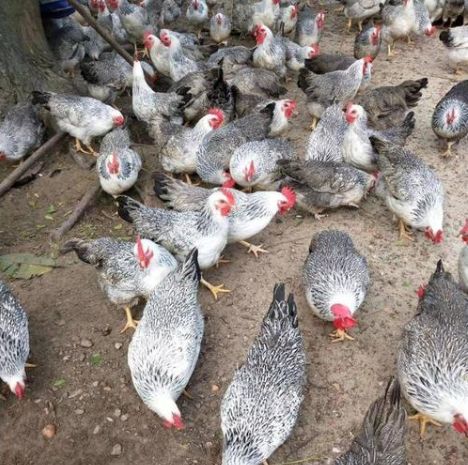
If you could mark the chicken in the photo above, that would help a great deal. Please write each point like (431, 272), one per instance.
(411, 190)
(387, 106)
(456, 41)
(126, 270)
(81, 117)
(432, 357)
(180, 232)
(217, 147)
(170, 12)
(252, 214)
(368, 42)
(96, 44)
(220, 28)
(270, 52)
(134, 19)
(158, 53)
(262, 403)
(357, 149)
(296, 55)
(336, 280)
(21, 131)
(381, 439)
(179, 155)
(197, 14)
(321, 185)
(231, 58)
(165, 347)
(265, 12)
(463, 258)
(287, 19)
(309, 26)
(324, 63)
(452, 10)
(117, 165)
(255, 163)
(450, 117)
(14, 342)
(334, 87)
(435, 8)
(360, 10)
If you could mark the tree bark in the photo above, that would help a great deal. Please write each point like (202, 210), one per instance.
(26, 62)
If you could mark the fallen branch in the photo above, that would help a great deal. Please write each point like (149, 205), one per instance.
(8, 182)
(83, 204)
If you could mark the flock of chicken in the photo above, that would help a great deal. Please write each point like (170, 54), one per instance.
(216, 112)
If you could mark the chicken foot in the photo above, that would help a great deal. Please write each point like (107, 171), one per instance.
(340, 335)
(424, 420)
(79, 148)
(215, 290)
(255, 249)
(131, 323)
(405, 233)
(448, 153)
(314, 123)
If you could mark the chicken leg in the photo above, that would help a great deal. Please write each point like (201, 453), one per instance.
(448, 152)
(348, 26)
(314, 123)
(79, 148)
(340, 335)
(424, 420)
(215, 290)
(255, 249)
(131, 323)
(405, 233)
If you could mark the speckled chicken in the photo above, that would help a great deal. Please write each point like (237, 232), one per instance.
(117, 165)
(411, 190)
(134, 19)
(254, 164)
(220, 28)
(309, 26)
(368, 42)
(270, 52)
(322, 185)
(456, 41)
(265, 12)
(14, 342)
(262, 403)
(432, 367)
(450, 117)
(180, 232)
(360, 10)
(96, 44)
(463, 258)
(452, 10)
(126, 271)
(336, 280)
(197, 14)
(324, 63)
(297, 55)
(159, 54)
(388, 106)
(252, 214)
(21, 131)
(81, 117)
(287, 19)
(231, 59)
(165, 347)
(381, 439)
(336, 87)
(179, 155)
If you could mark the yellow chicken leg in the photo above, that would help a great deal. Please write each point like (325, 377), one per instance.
(340, 335)
(405, 233)
(255, 249)
(313, 125)
(131, 323)
(448, 152)
(424, 420)
(215, 290)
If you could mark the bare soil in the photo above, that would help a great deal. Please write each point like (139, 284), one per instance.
(87, 392)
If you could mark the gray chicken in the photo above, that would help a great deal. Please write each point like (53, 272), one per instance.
(381, 440)
(450, 117)
(126, 271)
(261, 405)
(412, 191)
(134, 19)
(452, 10)
(360, 10)
(231, 58)
(165, 347)
(368, 42)
(309, 26)
(270, 52)
(463, 258)
(432, 367)
(21, 131)
(14, 342)
(218, 146)
(327, 62)
(336, 280)
(321, 185)
(220, 28)
(456, 41)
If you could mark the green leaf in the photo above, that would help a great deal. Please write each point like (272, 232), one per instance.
(51, 209)
(59, 383)
(96, 360)
(118, 226)
(25, 265)
(406, 284)
(49, 217)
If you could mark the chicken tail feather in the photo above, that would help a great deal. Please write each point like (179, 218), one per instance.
(126, 206)
(190, 268)
(41, 98)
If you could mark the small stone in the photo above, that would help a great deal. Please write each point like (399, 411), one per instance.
(95, 383)
(79, 411)
(82, 357)
(116, 450)
(49, 431)
(208, 445)
(118, 345)
(117, 412)
(60, 323)
(66, 358)
(86, 343)
(107, 388)
(336, 450)
(106, 331)
(75, 393)
(97, 429)
(124, 417)
(214, 388)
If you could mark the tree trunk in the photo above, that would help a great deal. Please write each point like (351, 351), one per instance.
(26, 62)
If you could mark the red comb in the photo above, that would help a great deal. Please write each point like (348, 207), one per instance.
(140, 251)
(421, 291)
(290, 195)
(464, 230)
(217, 112)
(368, 59)
(292, 103)
(230, 198)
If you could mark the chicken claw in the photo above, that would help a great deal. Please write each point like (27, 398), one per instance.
(448, 153)
(221, 260)
(340, 335)
(424, 420)
(215, 290)
(313, 125)
(405, 233)
(255, 249)
(131, 323)
(30, 365)
(79, 148)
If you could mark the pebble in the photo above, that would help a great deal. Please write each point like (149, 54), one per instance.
(79, 411)
(124, 417)
(214, 388)
(86, 343)
(116, 450)
(49, 431)
(82, 357)
(118, 345)
(97, 429)
(75, 393)
(95, 383)
(117, 412)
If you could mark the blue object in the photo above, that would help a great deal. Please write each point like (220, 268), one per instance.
(56, 9)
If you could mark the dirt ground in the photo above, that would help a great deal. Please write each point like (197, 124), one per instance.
(87, 391)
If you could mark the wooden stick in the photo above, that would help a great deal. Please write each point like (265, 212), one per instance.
(8, 182)
(83, 204)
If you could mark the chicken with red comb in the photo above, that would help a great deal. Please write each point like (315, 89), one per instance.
(463, 258)
(432, 367)
(14, 341)
(165, 347)
(336, 280)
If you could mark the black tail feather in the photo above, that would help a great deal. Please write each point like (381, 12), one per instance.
(123, 209)
(41, 98)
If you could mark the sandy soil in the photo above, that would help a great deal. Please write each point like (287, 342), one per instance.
(95, 408)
